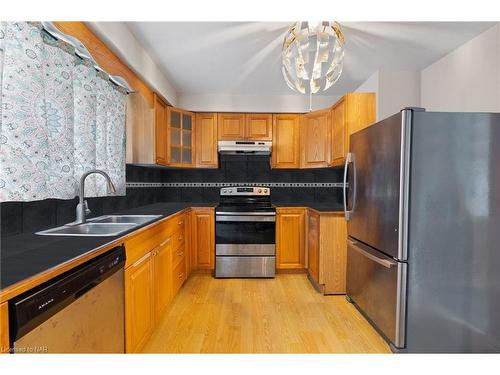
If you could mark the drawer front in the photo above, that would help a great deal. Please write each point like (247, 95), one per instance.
(178, 256)
(140, 244)
(175, 225)
(178, 277)
(376, 283)
(178, 239)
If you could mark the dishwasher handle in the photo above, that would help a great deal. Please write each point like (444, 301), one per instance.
(35, 306)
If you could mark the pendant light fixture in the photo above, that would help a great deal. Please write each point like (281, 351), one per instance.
(312, 56)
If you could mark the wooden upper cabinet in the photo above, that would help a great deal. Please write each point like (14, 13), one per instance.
(339, 133)
(353, 112)
(206, 140)
(231, 126)
(140, 127)
(315, 139)
(161, 131)
(181, 139)
(290, 234)
(286, 141)
(258, 126)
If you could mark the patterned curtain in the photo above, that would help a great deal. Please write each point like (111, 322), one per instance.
(59, 118)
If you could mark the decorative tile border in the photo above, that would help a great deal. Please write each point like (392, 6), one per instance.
(132, 185)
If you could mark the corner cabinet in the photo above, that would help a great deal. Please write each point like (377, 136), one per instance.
(286, 141)
(181, 141)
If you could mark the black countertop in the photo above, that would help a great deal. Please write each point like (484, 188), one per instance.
(25, 255)
(28, 254)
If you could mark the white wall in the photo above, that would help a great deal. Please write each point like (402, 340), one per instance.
(254, 103)
(467, 79)
(118, 37)
(394, 90)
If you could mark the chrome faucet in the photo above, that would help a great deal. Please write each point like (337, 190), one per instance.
(82, 209)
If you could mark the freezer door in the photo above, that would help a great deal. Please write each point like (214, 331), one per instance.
(376, 185)
(376, 284)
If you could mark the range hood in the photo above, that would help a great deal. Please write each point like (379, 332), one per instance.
(244, 147)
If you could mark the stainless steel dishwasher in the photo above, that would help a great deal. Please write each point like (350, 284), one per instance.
(81, 311)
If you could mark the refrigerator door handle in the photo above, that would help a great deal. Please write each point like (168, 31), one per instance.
(382, 261)
(349, 159)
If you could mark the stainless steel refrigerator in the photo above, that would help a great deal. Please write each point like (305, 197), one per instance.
(422, 200)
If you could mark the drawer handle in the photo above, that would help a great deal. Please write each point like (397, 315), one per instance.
(180, 222)
(165, 242)
(180, 238)
(181, 275)
(180, 253)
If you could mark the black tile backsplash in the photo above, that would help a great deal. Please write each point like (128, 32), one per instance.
(19, 217)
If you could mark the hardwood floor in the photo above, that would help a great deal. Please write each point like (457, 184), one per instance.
(281, 315)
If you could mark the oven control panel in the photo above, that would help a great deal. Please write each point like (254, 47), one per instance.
(255, 190)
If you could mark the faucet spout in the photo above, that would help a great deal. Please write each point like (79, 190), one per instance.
(82, 208)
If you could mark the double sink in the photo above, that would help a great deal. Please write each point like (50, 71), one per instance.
(108, 225)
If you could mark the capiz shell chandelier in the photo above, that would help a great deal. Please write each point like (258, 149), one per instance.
(312, 56)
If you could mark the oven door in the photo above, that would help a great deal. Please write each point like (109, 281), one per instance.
(245, 234)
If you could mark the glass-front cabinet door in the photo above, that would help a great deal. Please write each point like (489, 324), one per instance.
(181, 137)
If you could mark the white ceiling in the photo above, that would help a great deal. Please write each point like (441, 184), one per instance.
(243, 58)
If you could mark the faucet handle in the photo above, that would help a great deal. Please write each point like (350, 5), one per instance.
(86, 208)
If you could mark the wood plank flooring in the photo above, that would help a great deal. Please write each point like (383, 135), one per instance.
(281, 315)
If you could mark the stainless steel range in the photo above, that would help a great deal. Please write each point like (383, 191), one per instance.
(245, 230)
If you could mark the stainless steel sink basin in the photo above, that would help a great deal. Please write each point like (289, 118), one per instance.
(89, 229)
(135, 219)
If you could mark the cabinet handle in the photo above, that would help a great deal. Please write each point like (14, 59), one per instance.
(180, 222)
(181, 275)
(180, 253)
(180, 238)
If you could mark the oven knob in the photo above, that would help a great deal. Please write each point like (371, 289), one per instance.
(259, 191)
(265, 191)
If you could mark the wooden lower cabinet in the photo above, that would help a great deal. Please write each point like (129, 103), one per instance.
(203, 238)
(153, 280)
(139, 303)
(4, 328)
(327, 251)
(162, 274)
(313, 245)
(290, 230)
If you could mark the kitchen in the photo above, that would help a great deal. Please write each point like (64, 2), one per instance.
(159, 202)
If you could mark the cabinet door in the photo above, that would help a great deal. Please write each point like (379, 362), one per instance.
(231, 126)
(161, 131)
(290, 226)
(203, 228)
(259, 126)
(286, 149)
(139, 314)
(339, 135)
(333, 253)
(162, 278)
(180, 137)
(206, 140)
(313, 246)
(315, 139)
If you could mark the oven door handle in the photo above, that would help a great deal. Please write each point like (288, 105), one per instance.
(243, 218)
(241, 213)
